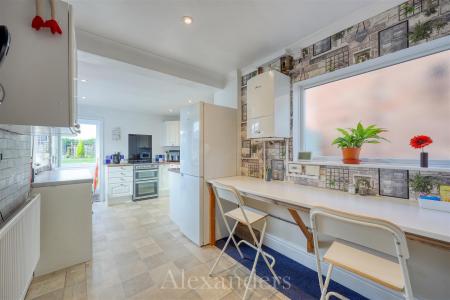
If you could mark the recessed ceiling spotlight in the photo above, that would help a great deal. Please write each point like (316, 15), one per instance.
(170, 110)
(187, 20)
(84, 97)
(83, 80)
(189, 101)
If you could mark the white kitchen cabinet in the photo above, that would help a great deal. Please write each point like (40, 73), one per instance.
(119, 184)
(268, 105)
(172, 133)
(66, 226)
(40, 70)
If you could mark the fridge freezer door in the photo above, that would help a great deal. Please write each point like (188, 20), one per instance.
(191, 136)
(190, 208)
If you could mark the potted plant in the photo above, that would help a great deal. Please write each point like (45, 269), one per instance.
(353, 139)
(420, 142)
(421, 185)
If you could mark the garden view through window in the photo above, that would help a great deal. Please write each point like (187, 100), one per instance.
(407, 99)
(81, 149)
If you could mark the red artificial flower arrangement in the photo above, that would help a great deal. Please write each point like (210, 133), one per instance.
(420, 141)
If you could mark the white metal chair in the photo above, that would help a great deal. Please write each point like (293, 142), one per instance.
(249, 217)
(363, 246)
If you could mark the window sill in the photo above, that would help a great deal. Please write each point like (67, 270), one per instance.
(396, 166)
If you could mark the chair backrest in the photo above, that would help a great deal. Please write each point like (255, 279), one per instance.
(372, 233)
(227, 193)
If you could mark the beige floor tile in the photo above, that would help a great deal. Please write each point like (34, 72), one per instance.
(76, 291)
(55, 295)
(48, 285)
(149, 250)
(137, 284)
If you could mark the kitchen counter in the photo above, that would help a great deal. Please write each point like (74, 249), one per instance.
(62, 177)
(404, 213)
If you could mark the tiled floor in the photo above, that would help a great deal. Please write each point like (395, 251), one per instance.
(139, 253)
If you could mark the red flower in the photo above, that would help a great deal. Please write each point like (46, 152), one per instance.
(420, 141)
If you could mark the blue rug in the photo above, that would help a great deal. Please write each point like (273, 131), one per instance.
(303, 282)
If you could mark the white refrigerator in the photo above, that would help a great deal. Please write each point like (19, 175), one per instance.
(208, 149)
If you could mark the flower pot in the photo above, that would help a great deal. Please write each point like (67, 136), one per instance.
(351, 155)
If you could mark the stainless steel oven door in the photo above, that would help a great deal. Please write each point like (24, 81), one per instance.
(145, 189)
(145, 174)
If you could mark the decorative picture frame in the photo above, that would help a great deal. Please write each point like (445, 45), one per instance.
(246, 147)
(394, 183)
(361, 56)
(322, 46)
(393, 39)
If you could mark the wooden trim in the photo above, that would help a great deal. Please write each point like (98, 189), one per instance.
(429, 241)
(308, 235)
(212, 216)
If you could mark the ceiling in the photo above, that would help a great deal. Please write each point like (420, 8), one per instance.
(225, 35)
(104, 82)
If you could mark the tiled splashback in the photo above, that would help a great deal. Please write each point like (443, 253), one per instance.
(349, 179)
(393, 30)
(15, 171)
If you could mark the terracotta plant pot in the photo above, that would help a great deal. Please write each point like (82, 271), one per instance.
(351, 155)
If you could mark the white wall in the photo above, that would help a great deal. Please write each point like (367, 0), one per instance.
(229, 95)
(129, 122)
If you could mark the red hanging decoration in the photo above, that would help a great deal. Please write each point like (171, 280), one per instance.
(52, 24)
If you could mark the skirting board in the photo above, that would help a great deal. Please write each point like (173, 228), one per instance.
(358, 284)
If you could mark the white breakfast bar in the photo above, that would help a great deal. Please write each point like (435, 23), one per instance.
(427, 226)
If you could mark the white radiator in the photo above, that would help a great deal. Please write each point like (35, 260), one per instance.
(19, 250)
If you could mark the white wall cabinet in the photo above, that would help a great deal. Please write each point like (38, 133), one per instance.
(119, 184)
(268, 105)
(172, 133)
(39, 73)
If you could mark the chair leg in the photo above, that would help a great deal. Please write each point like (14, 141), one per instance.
(252, 273)
(327, 281)
(334, 294)
(228, 228)
(264, 256)
(224, 248)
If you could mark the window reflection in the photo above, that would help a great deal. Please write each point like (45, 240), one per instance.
(407, 99)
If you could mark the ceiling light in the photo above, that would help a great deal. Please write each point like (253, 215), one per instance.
(84, 97)
(187, 20)
(170, 110)
(83, 80)
(189, 101)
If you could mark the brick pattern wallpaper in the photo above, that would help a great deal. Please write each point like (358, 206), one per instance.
(411, 23)
(15, 171)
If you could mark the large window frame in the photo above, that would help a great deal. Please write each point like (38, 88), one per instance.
(429, 48)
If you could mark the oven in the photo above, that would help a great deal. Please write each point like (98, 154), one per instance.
(146, 181)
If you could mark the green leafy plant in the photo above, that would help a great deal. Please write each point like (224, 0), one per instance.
(356, 137)
(421, 31)
(80, 152)
(422, 184)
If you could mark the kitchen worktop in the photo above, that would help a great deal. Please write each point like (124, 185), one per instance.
(404, 213)
(62, 177)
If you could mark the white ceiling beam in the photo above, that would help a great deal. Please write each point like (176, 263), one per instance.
(105, 47)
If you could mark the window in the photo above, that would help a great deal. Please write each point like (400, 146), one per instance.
(408, 99)
(41, 152)
(80, 150)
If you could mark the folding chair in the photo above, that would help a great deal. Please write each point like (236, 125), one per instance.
(369, 247)
(249, 217)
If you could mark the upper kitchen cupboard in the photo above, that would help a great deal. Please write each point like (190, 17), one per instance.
(38, 75)
(268, 108)
(172, 133)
